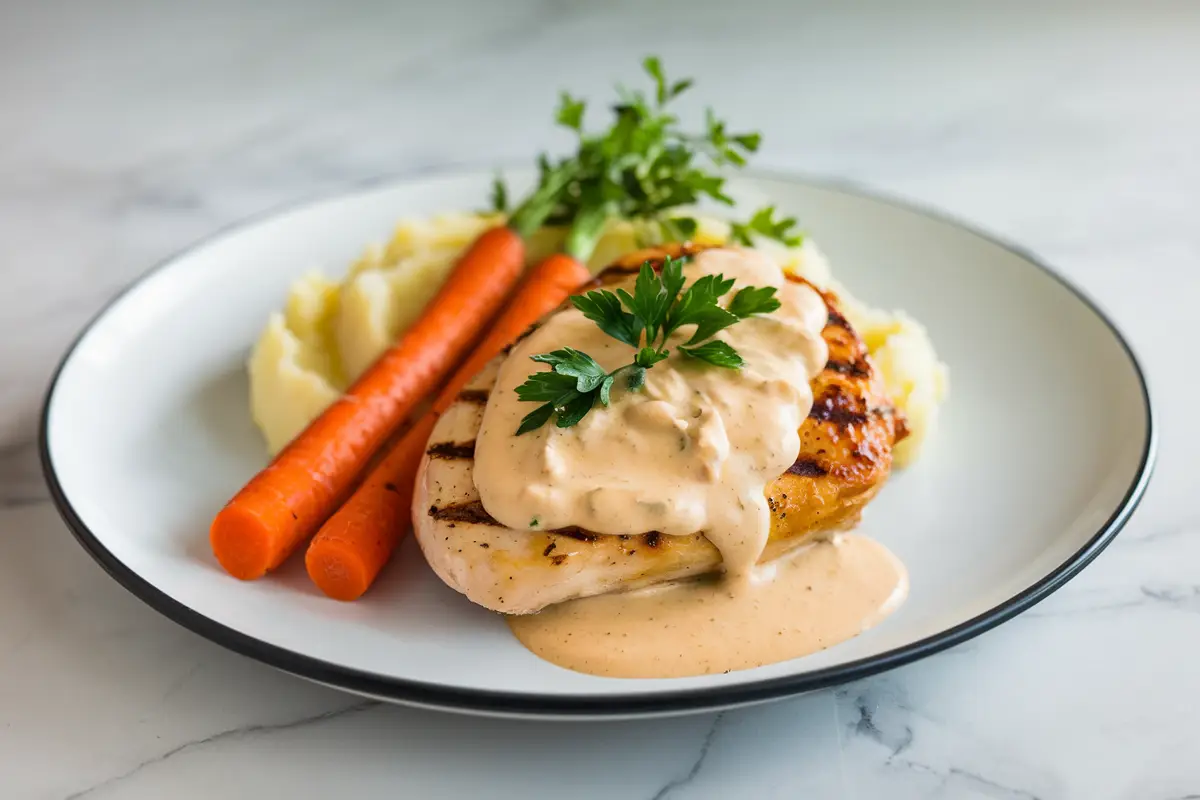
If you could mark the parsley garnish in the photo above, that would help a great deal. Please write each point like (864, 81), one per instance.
(645, 165)
(763, 223)
(644, 320)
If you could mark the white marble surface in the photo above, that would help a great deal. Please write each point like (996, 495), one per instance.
(129, 129)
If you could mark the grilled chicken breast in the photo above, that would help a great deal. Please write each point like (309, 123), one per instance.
(845, 457)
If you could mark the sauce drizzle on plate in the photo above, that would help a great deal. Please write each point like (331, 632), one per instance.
(824, 594)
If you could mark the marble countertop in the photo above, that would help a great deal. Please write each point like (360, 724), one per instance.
(130, 129)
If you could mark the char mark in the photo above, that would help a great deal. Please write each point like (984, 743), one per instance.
(855, 369)
(476, 396)
(808, 467)
(524, 335)
(900, 429)
(652, 539)
(452, 450)
(575, 533)
(842, 417)
(837, 320)
(837, 407)
(472, 512)
(618, 271)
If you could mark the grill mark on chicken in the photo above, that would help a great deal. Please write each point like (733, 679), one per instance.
(808, 467)
(836, 320)
(524, 335)
(616, 272)
(839, 408)
(477, 397)
(841, 417)
(853, 369)
(457, 450)
(472, 512)
(575, 532)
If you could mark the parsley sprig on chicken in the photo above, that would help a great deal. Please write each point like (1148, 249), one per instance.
(645, 320)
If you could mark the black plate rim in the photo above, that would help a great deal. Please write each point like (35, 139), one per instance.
(480, 701)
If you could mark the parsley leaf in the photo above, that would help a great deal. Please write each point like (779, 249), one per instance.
(570, 112)
(749, 141)
(648, 301)
(549, 387)
(575, 410)
(754, 300)
(653, 66)
(604, 308)
(709, 321)
(536, 418)
(572, 363)
(699, 299)
(672, 278)
(763, 223)
(679, 87)
(715, 352)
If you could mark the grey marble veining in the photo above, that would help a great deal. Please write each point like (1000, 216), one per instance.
(129, 130)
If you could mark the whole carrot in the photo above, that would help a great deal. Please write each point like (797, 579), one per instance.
(352, 547)
(284, 504)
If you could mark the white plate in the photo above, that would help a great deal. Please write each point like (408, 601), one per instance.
(1045, 447)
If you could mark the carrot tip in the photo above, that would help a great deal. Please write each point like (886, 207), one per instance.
(339, 574)
(240, 545)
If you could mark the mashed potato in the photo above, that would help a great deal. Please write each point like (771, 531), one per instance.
(329, 332)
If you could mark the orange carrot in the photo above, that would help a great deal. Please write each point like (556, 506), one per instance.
(283, 505)
(544, 289)
(352, 547)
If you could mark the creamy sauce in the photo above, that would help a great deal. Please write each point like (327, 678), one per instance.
(691, 451)
(825, 594)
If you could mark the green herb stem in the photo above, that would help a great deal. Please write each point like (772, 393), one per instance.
(585, 232)
(538, 205)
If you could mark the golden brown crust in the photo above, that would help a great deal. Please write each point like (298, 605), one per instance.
(846, 442)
